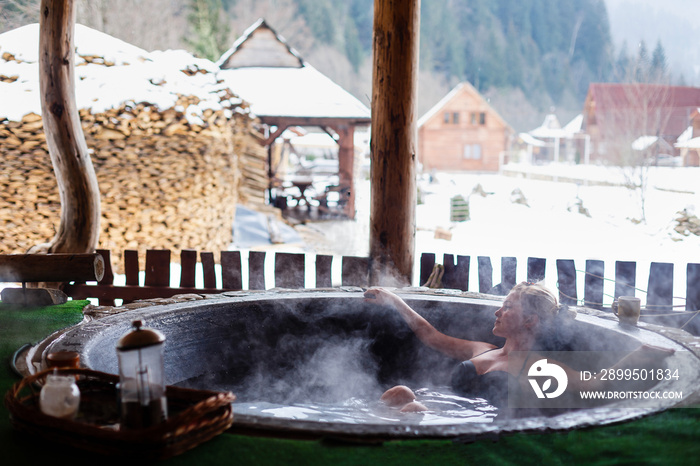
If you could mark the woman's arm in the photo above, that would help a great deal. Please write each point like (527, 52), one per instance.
(429, 335)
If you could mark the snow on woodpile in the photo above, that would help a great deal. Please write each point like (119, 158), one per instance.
(166, 138)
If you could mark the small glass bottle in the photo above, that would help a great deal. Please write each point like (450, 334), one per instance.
(60, 396)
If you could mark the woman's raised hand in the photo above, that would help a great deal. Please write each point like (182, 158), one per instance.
(382, 296)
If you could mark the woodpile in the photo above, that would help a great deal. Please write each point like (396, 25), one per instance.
(254, 170)
(687, 223)
(165, 182)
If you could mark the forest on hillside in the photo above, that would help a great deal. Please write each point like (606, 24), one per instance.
(526, 56)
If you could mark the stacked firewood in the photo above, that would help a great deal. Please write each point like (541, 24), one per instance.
(687, 223)
(166, 181)
(254, 169)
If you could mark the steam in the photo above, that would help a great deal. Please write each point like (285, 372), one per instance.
(338, 370)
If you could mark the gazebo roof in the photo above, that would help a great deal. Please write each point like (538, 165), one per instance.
(278, 83)
(293, 92)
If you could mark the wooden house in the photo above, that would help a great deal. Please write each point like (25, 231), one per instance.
(463, 132)
(616, 115)
(689, 142)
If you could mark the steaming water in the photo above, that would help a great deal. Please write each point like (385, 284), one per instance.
(443, 408)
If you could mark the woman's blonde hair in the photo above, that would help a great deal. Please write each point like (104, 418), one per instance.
(536, 299)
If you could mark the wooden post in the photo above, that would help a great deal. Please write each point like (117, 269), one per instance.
(79, 228)
(346, 163)
(393, 141)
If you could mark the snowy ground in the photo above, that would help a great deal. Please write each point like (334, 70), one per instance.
(547, 229)
(499, 227)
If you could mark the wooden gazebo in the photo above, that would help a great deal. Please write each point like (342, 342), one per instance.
(285, 91)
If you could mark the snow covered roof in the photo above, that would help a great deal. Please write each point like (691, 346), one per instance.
(685, 135)
(270, 75)
(551, 128)
(108, 73)
(529, 140)
(575, 125)
(293, 92)
(645, 142)
(693, 143)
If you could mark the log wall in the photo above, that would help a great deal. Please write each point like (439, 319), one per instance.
(164, 182)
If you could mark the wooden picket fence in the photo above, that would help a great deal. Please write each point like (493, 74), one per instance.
(289, 272)
(659, 288)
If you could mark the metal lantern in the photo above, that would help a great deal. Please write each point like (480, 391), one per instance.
(142, 377)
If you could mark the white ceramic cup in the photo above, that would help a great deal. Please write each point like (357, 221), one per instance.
(627, 309)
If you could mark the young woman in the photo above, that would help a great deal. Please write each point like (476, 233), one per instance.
(529, 311)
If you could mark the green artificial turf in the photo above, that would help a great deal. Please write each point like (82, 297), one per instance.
(19, 327)
(667, 438)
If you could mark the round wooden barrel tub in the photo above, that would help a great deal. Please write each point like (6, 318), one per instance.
(279, 348)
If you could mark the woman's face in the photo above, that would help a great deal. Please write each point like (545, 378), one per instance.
(509, 318)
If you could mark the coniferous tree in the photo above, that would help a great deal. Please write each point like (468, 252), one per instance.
(622, 64)
(321, 18)
(209, 36)
(641, 66)
(658, 64)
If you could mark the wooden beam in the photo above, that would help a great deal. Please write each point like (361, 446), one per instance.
(313, 121)
(280, 129)
(79, 228)
(60, 268)
(393, 141)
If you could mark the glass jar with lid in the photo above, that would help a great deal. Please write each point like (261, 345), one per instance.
(60, 396)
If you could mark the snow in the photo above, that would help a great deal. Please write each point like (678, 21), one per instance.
(293, 92)
(644, 142)
(693, 143)
(134, 75)
(548, 229)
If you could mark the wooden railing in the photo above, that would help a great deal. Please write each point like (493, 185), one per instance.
(289, 272)
(659, 288)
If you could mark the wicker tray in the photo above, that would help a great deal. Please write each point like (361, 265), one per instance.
(194, 416)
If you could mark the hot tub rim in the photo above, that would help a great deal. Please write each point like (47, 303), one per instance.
(612, 413)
